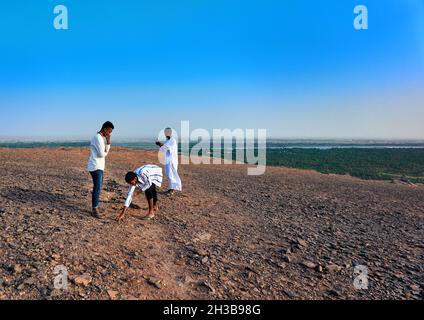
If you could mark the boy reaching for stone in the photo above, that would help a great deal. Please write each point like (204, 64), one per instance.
(146, 179)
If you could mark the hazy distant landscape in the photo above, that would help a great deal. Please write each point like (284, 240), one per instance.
(395, 160)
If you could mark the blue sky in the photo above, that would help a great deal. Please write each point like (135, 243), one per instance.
(297, 68)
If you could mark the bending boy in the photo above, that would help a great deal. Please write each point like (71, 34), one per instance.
(145, 178)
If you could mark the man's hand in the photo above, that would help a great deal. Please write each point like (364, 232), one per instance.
(107, 136)
(159, 144)
(121, 214)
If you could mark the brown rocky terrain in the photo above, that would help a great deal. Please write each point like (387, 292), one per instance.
(289, 234)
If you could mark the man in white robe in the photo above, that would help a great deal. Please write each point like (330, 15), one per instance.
(170, 149)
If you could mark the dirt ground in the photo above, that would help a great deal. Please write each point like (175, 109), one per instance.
(289, 234)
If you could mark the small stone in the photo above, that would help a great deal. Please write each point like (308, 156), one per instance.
(205, 260)
(333, 268)
(30, 281)
(83, 280)
(289, 293)
(319, 268)
(301, 242)
(208, 285)
(201, 252)
(415, 288)
(333, 293)
(180, 262)
(309, 264)
(154, 282)
(205, 236)
(17, 268)
(56, 256)
(287, 258)
(112, 294)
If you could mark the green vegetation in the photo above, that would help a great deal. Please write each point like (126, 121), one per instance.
(370, 163)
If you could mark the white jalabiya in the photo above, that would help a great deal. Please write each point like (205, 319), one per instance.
(170, 148)
(146, 176)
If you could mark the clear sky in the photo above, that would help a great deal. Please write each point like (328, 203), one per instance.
(296, 68)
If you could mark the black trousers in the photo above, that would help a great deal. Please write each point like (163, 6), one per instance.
(152, 194)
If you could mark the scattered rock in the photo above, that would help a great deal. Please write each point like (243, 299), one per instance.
(112, 294)
(309, 264)
(17, 268)
(207, 285)
(289, 294)
(155, 282)
(30, 281)
(201, 252)
(56, 256)
(205, 260)
(333, 293)
(415, 289)
(333, 268)
(83, 280)
(301, 242)
(21, 286)
(287, 258)
(202, 237)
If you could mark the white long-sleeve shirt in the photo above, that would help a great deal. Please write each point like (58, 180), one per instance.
(98, 153)
(146, 176)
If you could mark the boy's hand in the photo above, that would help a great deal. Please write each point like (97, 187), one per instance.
(121, 214)
(159, 144)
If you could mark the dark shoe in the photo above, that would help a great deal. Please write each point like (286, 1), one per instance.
(95, 214)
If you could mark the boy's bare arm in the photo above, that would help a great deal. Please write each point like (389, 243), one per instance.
(121, 214)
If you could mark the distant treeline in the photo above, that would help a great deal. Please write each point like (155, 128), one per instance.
(405, 164)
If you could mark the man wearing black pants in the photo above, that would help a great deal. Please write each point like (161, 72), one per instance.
(99, 149)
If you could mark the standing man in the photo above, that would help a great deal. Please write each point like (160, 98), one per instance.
(170, 148)
(99, 149)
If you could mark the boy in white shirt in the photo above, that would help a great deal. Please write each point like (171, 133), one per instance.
(146, 179)
(99, 149)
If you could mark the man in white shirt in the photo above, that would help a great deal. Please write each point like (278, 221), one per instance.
(99, 149)
(170, 148)
(145, 178)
